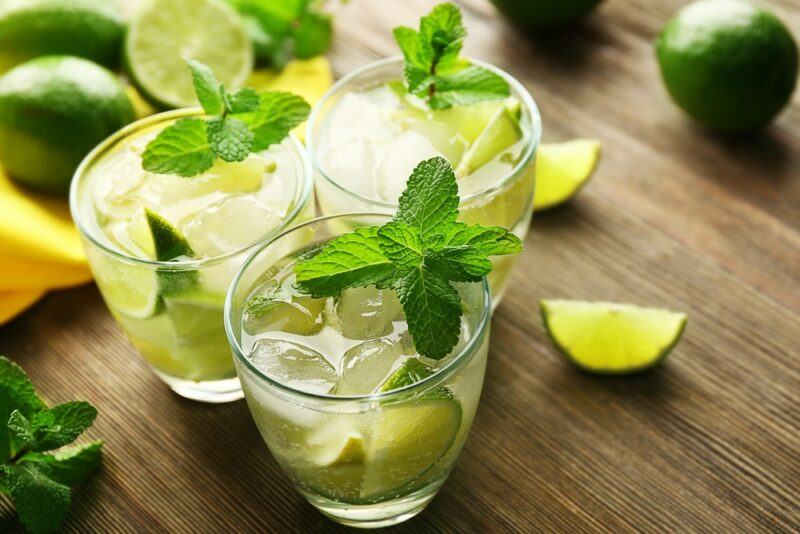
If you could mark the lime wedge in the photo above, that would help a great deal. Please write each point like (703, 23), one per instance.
(604, 337)
(502, 131)
(163, 32)
(562, 169)
(168, 242)
(408, 440)
(337, 444)
(127, 289)
(411, 372)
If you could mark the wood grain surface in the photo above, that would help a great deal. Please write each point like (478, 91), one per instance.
(675, 217)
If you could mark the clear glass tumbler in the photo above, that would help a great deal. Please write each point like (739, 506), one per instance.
(497, 197)
(172, 311)
(366, 460)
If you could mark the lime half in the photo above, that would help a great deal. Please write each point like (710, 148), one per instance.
(163, 33)
(604, 337)
(562, 169)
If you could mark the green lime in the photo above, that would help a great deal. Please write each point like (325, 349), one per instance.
(163, 33)
(90, 29)
(170, 244)
(541, 14)
(129, 290)
(562, 169)
(53, 111)
(728, 64)
(502, 131)
(604, 337)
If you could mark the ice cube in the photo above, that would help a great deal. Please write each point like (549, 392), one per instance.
(229, 224)
(353, 163)
(398, 161)
(361, 115)
(366, 312)
(118, 180)
(366, 366)
(283, 308)
(294, 365)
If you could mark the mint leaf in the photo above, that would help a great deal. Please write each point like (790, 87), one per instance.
(244, 100)
(401, 244)
(60, 425)
(459, 264)
(441, 34)
(206, 87)
(350, 260)
(72, 465)
(467, 86)
(312, 35)
(434, 71)
(22, 429)
(181, 149)
(491, 240)
(41, 503)
(433, 312)
(230, 139)
(430, 201)
(277, 114)
(16, 394)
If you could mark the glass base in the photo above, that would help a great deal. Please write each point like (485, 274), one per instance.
(382, 514)
(212, 391)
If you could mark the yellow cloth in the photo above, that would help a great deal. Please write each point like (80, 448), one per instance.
(39, 247)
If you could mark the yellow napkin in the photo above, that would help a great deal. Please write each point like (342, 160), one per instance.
(39, 247)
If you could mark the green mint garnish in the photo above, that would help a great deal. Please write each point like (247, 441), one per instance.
(238, 124)
(435, 71)
(282, 29)
(38, 481)
(418, 254)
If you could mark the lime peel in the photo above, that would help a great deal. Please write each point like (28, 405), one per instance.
(611, 338)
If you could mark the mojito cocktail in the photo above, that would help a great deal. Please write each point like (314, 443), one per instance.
(172, 310)
(368, 133)
(366, 427)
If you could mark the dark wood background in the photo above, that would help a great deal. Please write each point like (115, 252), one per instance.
(675, 217)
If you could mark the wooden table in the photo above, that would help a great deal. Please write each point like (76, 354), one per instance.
(675, 217)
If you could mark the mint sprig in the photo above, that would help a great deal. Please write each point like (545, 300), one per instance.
(238, 124)
(39, 481)
(434, 69)
(419, 253)
(282, 29)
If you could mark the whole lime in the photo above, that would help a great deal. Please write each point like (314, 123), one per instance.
(728, 64)
(91, 29)
(53, 111)
(543, 14)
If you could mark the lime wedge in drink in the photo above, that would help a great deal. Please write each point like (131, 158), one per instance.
(502, 131)
(411, 372)
(408, 440)
(130, 290)
(162, 33)
(604, 337)
(337, 444)
(562, 169)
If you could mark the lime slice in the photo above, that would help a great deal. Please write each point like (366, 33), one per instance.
(168, 242)
(163, 32)
(337, 444)
(502, 131)
(408, 440)
(562, 169)
(610, 338)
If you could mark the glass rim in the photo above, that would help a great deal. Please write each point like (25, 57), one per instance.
(305, 188)
(516, 86)
(437, 376)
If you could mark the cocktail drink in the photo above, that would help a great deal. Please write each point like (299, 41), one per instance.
(366, 427)
(368, 133)
(164, 248)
